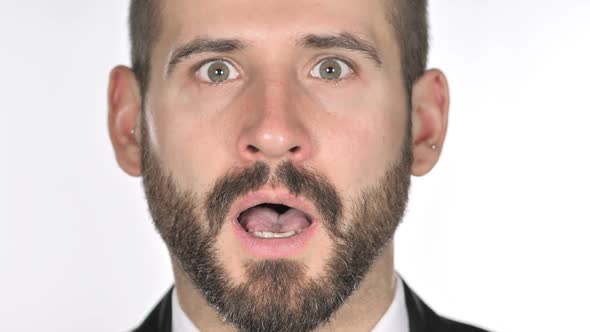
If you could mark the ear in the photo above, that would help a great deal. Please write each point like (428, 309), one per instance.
(430, 114)
(124, 115)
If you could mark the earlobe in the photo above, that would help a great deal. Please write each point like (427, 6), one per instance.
(123, 120)
(430, 110)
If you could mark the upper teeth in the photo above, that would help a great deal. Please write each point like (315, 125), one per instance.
(271, 235)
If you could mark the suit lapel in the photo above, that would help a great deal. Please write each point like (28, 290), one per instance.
(160, 319)
(420, 316)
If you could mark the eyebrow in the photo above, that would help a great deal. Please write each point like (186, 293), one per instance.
(202, 45)
(344, 40)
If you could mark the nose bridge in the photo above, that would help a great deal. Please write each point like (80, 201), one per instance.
(278, 105)
(277, 129)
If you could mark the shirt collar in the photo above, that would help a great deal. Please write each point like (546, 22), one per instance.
(394, 319)
(180, 321)
(396, 316)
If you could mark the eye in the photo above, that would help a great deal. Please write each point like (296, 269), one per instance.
(217, 71)
(331, 69)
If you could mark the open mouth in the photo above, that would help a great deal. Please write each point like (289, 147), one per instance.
(274, 221)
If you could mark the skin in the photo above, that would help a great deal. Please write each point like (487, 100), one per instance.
(349, 131)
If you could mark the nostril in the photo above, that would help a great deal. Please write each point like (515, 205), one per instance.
(252, 148)
(295, 149)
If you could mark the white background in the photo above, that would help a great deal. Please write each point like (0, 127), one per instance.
(495, 235)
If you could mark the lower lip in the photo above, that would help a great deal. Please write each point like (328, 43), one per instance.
(273, 248)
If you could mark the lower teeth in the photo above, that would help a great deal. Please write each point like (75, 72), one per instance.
(271, 235)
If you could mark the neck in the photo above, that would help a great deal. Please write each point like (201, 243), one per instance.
(361, 312)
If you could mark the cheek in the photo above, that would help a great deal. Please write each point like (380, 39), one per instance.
(363, 138)
(188, 140)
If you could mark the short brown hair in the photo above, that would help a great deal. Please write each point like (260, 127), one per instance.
(408, 17)
(410, 21)
(144, 28)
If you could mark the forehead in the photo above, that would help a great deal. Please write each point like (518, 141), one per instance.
(182, 20)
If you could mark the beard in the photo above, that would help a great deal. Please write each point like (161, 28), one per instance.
(277, 295)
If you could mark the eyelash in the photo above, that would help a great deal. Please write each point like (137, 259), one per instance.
(352, 67)
(198, 66)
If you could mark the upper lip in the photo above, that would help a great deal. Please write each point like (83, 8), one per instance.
(273, 196)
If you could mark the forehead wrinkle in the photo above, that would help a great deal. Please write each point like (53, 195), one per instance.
(325, 38)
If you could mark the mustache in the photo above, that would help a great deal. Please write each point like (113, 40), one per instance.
(298, 180)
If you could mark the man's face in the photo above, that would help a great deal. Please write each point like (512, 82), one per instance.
(275, 150)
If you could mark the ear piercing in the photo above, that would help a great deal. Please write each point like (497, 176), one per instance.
(433, 146)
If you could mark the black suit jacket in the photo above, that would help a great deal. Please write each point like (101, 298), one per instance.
(420, 316)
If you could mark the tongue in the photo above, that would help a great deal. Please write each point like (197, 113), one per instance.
(263, 219)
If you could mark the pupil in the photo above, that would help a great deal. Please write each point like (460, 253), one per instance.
(330, 70)
(218, 72)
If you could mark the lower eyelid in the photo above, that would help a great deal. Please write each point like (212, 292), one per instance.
(351, 68)
(197, 70)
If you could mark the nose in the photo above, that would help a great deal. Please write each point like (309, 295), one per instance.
(275, 128)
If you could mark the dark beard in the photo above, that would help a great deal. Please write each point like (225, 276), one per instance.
(277, 296)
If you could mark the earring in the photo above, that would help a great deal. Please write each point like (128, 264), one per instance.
(433, 147)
